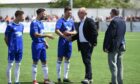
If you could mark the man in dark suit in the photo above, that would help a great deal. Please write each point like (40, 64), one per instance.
(114, 45)
(87, 39)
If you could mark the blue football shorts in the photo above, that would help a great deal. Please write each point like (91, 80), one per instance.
(39, 52)
(15, 55)
(64, 48)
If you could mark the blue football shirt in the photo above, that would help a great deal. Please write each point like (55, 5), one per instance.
(36, 27)
(14, 34)
(65, 25)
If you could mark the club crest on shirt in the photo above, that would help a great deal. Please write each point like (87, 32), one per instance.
(14, 28)
(18, 34)
(68, 28)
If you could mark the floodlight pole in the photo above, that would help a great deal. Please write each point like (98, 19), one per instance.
(71, 3)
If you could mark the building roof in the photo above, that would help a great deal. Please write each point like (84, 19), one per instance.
(25, 1)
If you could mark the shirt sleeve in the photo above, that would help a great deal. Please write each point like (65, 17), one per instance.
(34, 27)
(58, 24)
(73, 26)
(22, 28)
(8, 30)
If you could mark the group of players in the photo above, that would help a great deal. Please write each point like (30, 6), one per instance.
(13, 38)
(86, 36)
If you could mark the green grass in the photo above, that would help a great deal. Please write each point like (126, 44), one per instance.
(101, 73)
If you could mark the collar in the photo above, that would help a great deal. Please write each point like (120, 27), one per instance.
(16, 23)
(115, 17)
(66, 19)
(83, 20)
(38, 20)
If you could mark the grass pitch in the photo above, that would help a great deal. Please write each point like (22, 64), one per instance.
(101, 73)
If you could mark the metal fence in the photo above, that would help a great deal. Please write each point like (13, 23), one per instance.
(50, 26)
(130, 26)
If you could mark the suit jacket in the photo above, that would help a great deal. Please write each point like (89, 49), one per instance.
(114, 36)
(89, 31)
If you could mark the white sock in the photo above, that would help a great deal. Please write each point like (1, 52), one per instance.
(45, 70)
(8, 72)
(58, 69)
(34, 71)
(66, 69)
(17, 72)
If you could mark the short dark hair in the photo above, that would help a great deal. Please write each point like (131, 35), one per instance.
(67, 8)
(38, 11)
(115, 11)
(18, 13)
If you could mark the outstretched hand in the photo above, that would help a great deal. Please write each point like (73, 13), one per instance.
(50, 36)
(47, 45)
(66, 33)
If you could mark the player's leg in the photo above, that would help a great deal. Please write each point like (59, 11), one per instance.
(35, 57)
(44, 65)
(68, 52)
(60, 54)
(58, 68)
(18, 58)
(34, 72)
(66, 69)
(8, 72)
(9, 66)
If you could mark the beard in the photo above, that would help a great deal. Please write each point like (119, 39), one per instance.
(42, 18)
(22, 20)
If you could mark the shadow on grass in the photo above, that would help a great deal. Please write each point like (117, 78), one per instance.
(50, 83)
(68, 83)
(25, 82)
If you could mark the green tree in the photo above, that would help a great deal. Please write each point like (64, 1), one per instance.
(126, 1)
(93, 3)
(59, 4)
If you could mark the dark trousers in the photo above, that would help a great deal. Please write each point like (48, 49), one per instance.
(86, 52)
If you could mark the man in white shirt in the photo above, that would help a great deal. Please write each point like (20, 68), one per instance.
(87, 39)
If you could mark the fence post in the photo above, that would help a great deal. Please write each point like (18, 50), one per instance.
(131, 25)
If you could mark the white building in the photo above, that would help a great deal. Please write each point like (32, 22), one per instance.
(25, 3)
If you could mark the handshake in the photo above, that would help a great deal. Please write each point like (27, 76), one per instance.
(69, 38)
(68, 35)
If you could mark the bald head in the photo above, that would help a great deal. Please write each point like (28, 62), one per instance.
(83, 10)
(82, 13)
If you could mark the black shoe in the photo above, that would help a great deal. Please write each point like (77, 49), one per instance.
(59, 80)
(110, 83)
(66, 80)
(17, 83)
(90, 81)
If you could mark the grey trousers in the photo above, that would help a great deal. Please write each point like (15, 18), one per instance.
(116, 67)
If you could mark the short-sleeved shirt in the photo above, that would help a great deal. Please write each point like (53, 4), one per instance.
(37, 27)
(14, 34)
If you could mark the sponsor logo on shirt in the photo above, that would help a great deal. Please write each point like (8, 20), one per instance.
(68, 28)
(18, 34)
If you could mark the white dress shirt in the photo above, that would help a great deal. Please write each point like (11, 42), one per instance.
(81, 35)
